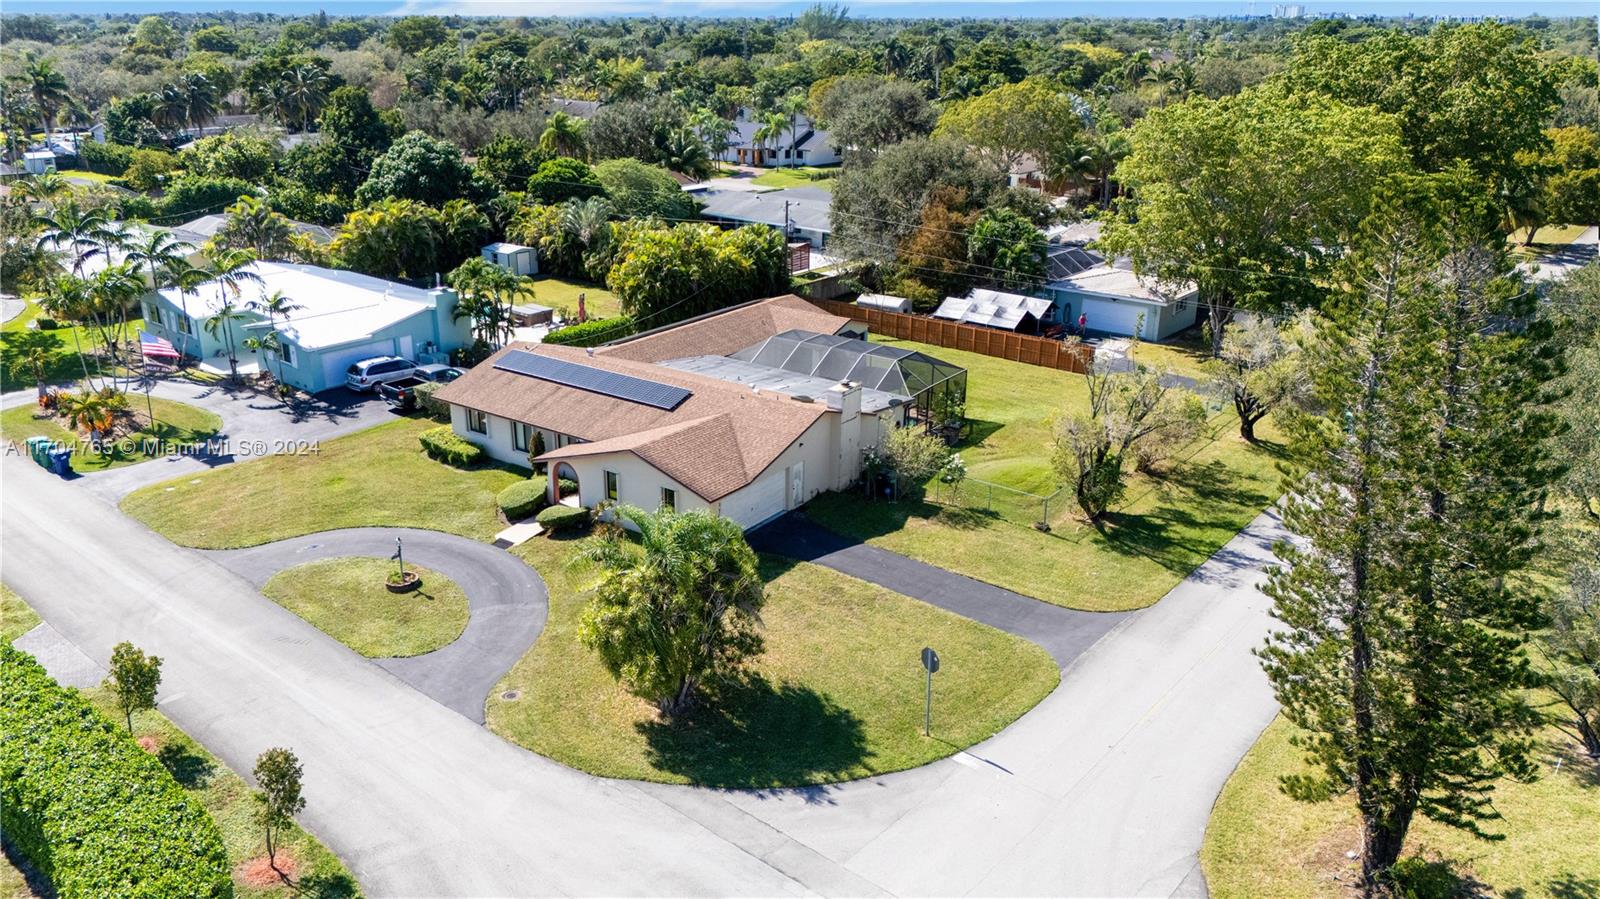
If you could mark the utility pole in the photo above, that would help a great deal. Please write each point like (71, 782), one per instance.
(786, 220)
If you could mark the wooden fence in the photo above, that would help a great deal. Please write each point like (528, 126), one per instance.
(1026, 348)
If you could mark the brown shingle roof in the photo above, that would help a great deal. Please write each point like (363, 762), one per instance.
(727, 331)
(714, 442)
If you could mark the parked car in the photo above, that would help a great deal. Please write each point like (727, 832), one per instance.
(402, 394)
(369, 373)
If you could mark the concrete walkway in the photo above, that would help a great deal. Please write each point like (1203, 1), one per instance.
(1104, 789)
(507, 600)
(1064, 633)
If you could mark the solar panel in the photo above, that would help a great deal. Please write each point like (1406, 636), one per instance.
(594, 380)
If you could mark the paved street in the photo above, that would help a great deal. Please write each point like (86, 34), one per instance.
(1103, 789)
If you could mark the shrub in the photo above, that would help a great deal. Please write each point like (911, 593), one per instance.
(44, 323)
(107, 159)
(446, 446)
(523, 498)
(568, 486)
(593, 332)
(563, 518)
(436, 409)
(92, 811)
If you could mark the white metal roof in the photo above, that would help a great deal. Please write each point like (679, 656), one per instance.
(1119, 280)
(992, 308)
(338, 306)
(503, 247)
(884, 301)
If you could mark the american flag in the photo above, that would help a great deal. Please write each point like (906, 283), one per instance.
(155, 347)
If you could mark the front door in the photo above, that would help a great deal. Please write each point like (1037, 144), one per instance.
(797, 484)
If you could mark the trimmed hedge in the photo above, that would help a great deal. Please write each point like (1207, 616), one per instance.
(563, 518)
(438, 410)
(523, 498)
(593, 332)
(446, 446)
(92, 811)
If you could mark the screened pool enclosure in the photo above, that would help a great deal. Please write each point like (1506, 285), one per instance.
(931, 387)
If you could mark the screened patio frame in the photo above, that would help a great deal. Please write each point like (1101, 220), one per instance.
(875, 366)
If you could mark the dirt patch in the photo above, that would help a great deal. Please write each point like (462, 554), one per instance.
(1329, 858)
(260, 873)
(149, 743)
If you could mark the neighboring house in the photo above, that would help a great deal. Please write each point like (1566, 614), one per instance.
(199, 231)
(578, 109)
(1114, 300)
(803, 213)
(998, 309)
(513, 257)
(747, 412)
(799, 144)
(344, 317)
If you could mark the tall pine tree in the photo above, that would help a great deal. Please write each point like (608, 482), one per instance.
(1424, 464)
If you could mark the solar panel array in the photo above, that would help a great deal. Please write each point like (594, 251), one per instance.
(594, 380)
(1067, 260)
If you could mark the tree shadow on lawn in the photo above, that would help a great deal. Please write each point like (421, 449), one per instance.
(749, 733)
(191, 770)
(1568, 886)
(1202, 498)
(855, 516)
(327, 886)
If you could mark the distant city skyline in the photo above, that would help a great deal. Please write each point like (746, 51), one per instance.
(864, 9)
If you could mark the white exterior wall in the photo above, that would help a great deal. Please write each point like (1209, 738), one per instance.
(639, 483)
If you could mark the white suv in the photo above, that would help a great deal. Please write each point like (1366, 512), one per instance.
(369, 373)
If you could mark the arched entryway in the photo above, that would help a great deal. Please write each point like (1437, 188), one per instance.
(568, 497)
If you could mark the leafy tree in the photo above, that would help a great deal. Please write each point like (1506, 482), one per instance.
(822, 22)
(1574, 306)
(1013, 121)
(278, 795)
(638, 190)
(1572, 646)
(350, 122)
(130, 121)
(414, 34)
(1474, 93)
(235, 154)
(1091, 448)
(323, 167)
(677, 612)
(1249, 197)
(461, 232)
(148, 168)
(879, 204)
(189, 195)
(564, 178)
(509, 161)
(1259, 369)
(215, 38)
(133, 679)
(935, 254)
(1006, 249)
(662, 275)
(422, 168)
(990, 63)
(637, 128)
(1400, 651)
(913, 455)
(864, 115)
(1563, 180)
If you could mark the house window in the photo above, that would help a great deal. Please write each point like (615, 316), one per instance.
(185, 324)
(519, 437)
(286, 351)
(612, 487)
(152, 313)
(669, 499)
(477, 421)
(1183, 306)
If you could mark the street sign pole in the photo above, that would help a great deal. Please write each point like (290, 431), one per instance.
(930, 664)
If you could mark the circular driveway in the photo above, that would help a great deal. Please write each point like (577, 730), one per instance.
(506, 599)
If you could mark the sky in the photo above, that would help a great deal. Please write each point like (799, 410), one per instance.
(858, 8)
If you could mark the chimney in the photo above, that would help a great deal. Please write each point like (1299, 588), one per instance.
(845, 397)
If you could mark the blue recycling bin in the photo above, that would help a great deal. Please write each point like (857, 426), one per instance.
(61, 460)
(37, 447)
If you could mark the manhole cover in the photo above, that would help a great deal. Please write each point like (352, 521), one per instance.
(511, 694)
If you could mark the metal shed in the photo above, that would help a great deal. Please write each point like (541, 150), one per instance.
(884, 301)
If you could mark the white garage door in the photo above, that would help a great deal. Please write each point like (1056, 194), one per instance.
(335, 362)
(757, 502)
(1112, 318)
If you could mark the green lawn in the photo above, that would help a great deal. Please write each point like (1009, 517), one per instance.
(799, 176)
(378, 477)
(17, 340)
(837, 695)
(86, 175)
(176, 424)
(562, 294)
(1262, 843)
(16, 618)
(1163, 528)
(1547, 239)
(347, 600)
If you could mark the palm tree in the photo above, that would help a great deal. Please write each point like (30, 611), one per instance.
(685, 153)
(43, 188)
(488, 292)
(273, 307)
(171, 111)
(304, 91)
(587, 220)
(939, 52)
(231, 270)
(714, 131)
(200, 100)
(158, 251)
(114, 289)
(793, 106)
(47, 86)
(70, 228)
(186, 279)
(563, 136)
(68, 300)
(93, 411)
(770, 133)
(895, 57)
(256, 226)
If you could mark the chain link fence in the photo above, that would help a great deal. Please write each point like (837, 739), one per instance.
(1007, 503)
